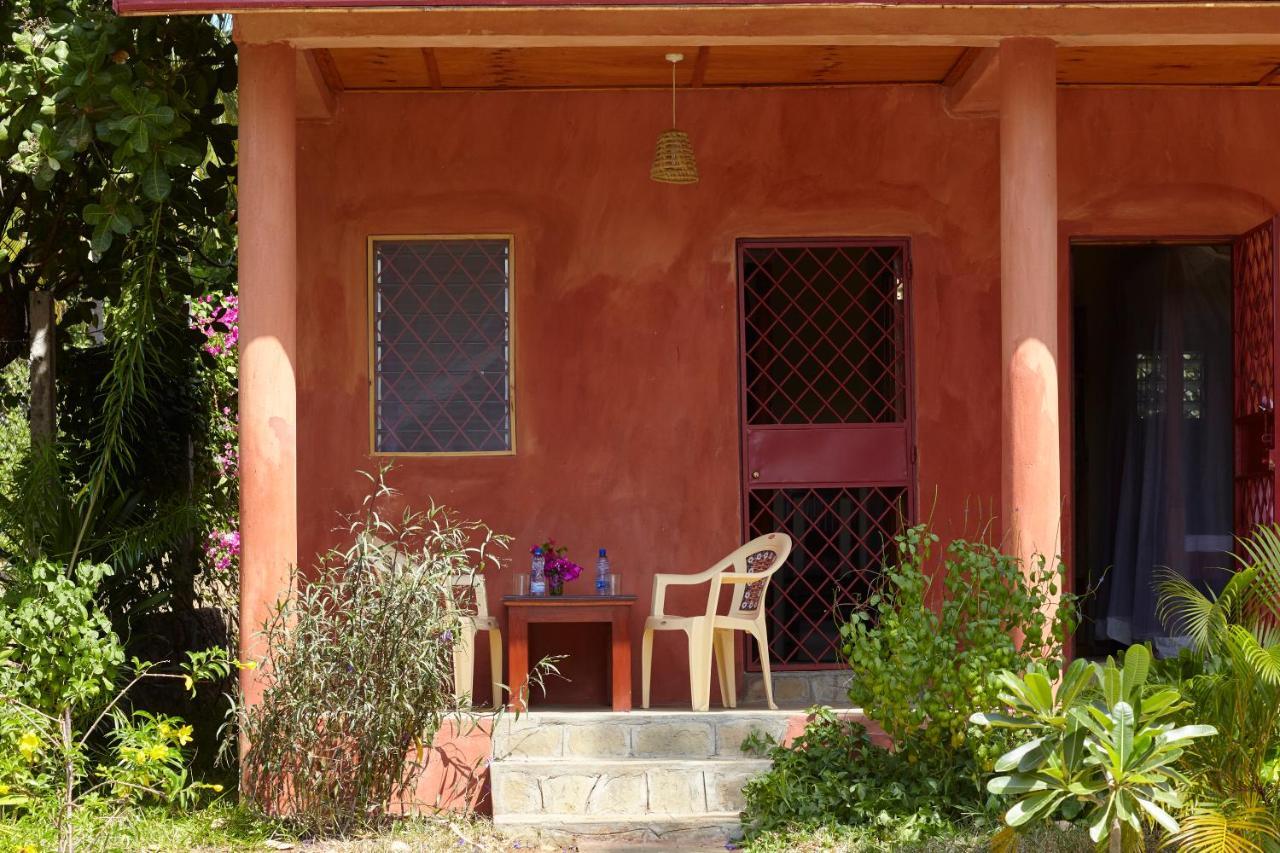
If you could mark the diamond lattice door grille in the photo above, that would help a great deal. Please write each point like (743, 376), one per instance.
(442, 345)
(824, 334)
(827, 427)
(840, 541)
(1254, 332)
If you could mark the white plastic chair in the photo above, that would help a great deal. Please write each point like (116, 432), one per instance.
(750, 579)
(474, 617)
(749, 569)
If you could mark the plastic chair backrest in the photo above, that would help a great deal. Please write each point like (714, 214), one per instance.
(763, 554)
(467, 594)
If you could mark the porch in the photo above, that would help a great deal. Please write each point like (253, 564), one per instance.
(977, 142)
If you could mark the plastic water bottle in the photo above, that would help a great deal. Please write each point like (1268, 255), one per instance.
(602, 573)
(538, 574)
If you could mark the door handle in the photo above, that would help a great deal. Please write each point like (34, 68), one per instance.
(755, 475)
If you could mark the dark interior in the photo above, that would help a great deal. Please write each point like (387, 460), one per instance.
(1152, 388)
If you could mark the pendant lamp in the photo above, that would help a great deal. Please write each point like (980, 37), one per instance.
(673, 161)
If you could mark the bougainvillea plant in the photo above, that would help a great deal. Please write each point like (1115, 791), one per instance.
(559, 568)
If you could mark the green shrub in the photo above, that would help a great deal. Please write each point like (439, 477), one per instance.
(834, 775)
(358, 672)
(60, 664)
(1103, 749)
(920, 667)
(1231, 674)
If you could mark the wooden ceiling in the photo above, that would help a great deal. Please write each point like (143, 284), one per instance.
(484, 69)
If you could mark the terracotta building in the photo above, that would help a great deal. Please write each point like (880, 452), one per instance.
(960, 262)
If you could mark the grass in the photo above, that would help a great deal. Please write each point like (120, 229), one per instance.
(853, 839)
(223, 826)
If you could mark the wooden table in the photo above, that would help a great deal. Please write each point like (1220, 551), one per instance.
(524, 610)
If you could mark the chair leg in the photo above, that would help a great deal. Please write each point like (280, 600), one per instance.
(646, 662)
(464, 663)
(700, 668)
(729, 680)
(762, 639)
(495, 666)
(717, 660)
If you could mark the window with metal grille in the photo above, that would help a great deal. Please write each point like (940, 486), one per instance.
(441, 344)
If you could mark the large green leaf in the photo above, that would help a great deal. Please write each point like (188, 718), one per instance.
(1013, 759)
(1137, 663)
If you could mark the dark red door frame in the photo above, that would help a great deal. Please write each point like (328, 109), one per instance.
(833, 455)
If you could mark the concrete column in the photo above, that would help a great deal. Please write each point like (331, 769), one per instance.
(1031, 463)
(268, 324)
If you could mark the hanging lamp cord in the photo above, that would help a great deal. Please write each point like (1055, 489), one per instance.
(673, 94)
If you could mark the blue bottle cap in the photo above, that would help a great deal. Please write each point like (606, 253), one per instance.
(537, 552)
(602, 552)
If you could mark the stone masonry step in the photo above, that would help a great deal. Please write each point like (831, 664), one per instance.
(820, 687)
(620, 788)
(639, 734)
(677, 832)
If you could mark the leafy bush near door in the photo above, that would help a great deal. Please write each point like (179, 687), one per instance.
(919, 669)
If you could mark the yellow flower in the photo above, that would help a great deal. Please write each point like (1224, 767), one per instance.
(158, 751)
(4, 789)
(248, 664)
(166, 730)
(139, 755)
(184, 735)
(216, 788)
(28, 745)
(28, 848)
(188, 682)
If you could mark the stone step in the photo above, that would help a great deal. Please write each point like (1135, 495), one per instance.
(819, 687)
(620, 788)
(675, 832)
(639, 734)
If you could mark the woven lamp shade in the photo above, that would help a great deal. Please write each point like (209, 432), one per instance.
(673, 161)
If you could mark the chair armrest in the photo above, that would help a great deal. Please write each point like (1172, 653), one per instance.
(662, 580)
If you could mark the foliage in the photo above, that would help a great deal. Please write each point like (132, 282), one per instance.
(117, 196)
(1231, 674)
(57, 648)
(59, 663)
(957, 838)
(921, 667)
(220, 825)
(834, 774)
(359, 671)
(1103, 748)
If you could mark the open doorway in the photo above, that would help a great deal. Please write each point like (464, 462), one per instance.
(1153, 431)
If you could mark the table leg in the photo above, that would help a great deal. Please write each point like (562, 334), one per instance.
(620, 639)
(518, 658)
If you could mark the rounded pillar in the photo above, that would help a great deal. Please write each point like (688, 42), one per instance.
(1031, 455)
(268, 333)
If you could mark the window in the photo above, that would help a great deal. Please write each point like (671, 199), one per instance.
(441, 344)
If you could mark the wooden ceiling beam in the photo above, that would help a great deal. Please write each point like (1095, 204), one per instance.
(700, 67)
(317, 93)
(1255, 23)
(433, 67)
(973, 83)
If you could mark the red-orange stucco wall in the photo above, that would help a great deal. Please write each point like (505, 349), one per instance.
(626, 361)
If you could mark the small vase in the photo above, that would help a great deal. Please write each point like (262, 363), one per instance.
(556, 587)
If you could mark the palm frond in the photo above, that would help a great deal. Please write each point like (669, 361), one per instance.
(1226, 827)
(1264, 660)
(1262, 551)
(1185, 610)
